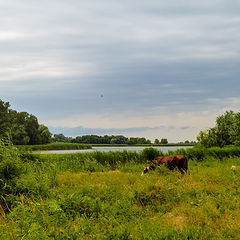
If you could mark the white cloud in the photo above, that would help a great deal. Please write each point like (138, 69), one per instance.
(6, 36)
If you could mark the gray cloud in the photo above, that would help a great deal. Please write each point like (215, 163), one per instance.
(62, 58)
(80, 131)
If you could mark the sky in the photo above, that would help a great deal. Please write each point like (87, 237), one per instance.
(154, 69)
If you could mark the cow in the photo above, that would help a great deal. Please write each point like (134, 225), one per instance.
(171, 162)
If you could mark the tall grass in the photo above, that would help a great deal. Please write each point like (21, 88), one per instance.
(54, 146)
(201, 154)
(102, 195)
(121, 204)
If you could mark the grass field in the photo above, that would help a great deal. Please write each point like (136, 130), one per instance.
(104, 196)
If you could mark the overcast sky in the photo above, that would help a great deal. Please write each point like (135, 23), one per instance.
(154, 69)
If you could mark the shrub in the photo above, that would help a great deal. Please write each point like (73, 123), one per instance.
(11, 167)
(150, 153)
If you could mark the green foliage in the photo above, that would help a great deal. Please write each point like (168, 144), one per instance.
(4, 117)
(55, 146)
(79, 204)
(164, 141)
(44, 136)
(224, 125)
(102, 195)
(119, 139)
(24, 127)
(117, 158)
(207, 138)
(235, 132)
(148, 154)
(201, 154)
(220, 134)
(123, 205)
(136, 140)
(61, 138)
(11, 168)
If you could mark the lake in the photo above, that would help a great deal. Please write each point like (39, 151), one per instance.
(164, 149)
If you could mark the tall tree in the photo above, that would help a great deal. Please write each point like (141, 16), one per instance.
(31, 126)
(164, 141)
(224, 124)
(235, 132)
(4, 117)
(44, 136)
(23, 127)
(220, 134)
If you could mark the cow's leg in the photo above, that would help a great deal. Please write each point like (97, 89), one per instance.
(181, 170)
(186, 170)
(185, 167)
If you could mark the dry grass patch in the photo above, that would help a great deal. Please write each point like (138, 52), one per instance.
(175, 221)
(96, 178)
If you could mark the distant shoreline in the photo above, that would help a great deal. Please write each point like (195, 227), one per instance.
(78, 146)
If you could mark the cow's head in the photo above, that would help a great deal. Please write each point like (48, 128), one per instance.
(147, 169)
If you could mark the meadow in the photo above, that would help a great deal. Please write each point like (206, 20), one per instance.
(102, 195)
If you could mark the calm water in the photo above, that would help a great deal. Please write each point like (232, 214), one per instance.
(107, 149)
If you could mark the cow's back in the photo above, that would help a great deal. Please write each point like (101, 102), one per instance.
(163, 160)
(178, 161)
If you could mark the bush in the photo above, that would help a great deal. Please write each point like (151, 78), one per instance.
(11, 167)
(200, 153)
(150, 153)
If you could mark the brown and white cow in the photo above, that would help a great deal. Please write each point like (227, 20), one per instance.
(179, 162)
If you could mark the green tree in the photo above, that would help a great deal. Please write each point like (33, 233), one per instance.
(19, 134)
(208, 138)
(220, 134)
(156, 141)
(136, 140)
(44, 136)
(224, 125)
(4, 117)
(164, 141)
(61, 138)
(23, 127)
(235, 132)
(31, 125)
(118, 140)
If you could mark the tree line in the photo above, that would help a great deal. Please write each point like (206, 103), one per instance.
(23, 127)
(95, 139)
(225, 132)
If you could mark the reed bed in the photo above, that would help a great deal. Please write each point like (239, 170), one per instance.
(54, 146)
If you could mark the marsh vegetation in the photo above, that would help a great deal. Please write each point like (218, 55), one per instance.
(101, 195)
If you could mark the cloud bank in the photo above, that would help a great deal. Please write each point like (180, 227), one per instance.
(117, 65)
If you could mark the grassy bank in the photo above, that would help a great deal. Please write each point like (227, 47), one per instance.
(54, 146)
(102, 196)
(76, 146)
